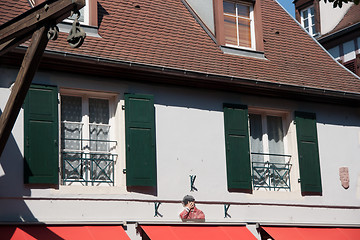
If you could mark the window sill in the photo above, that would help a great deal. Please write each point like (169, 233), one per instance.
(242, 52)
(89, 30)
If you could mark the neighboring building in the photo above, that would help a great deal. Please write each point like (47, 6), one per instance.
(337, 29)
(229, 101)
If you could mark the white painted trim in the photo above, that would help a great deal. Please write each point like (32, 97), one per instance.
(113, 132)
(252, 25)
(309, 18)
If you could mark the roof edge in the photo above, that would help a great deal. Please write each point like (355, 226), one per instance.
(168, 75)
(329, 37)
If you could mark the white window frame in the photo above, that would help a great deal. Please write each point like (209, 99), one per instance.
(85, 95)
(86, 13)
(309, 18)
(289, 146)
(278, 113)
(252, 25)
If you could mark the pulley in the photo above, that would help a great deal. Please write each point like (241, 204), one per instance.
(77, 34)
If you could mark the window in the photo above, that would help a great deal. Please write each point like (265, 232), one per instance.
(89, 128)
(270, 164)
(256, 150)
(87, 146)
(88, 14)
(308, 20)
(239, 24)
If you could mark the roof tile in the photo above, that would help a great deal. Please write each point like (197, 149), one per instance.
(164, 33)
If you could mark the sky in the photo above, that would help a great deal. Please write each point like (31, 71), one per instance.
(289, 6)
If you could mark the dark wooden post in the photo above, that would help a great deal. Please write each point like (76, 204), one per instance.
(18, 93)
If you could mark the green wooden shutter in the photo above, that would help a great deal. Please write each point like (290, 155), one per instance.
(140, 140)
(237, 147)
(309, 163)
(41, 149)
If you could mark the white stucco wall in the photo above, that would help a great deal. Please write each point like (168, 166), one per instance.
(190, 141)
(330, 17)
(204, 9)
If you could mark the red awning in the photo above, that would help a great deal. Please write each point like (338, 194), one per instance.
(198, 232)
(312, 233)
(63, 232)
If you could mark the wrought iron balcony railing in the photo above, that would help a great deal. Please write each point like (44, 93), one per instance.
(88, 168)
(88, 165)
(273, 173)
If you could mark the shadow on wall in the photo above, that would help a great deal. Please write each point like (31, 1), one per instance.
(13, 208)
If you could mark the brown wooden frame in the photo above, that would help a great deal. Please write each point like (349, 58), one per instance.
(35, 22)
(219, 26)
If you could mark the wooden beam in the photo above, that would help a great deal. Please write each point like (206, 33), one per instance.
(24, 78)
(22, 27)
(11, 44)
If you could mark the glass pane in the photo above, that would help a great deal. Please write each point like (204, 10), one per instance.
(256, 133)
(313, 30)
(102, 168)
(230, 30)
(71, 109)
(244, 33)
(71, 136)
(71, 127)
(99, 136)
(306, 23)
(99, 110)
(312, 11)
(99, 128)
(74, 166)
(305, 14)
(229, 8)
(243, 10)
(276, 138)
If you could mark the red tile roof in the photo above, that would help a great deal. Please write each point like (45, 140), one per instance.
(164, 33)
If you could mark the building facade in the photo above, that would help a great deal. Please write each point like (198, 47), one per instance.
(337, 29)
(221, 100)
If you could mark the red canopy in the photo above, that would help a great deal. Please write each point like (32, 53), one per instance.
(63, 232)
(198, 232)
(313, 233)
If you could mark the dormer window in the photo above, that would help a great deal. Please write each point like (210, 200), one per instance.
(88, 14)
(308, 20)
(238, 27)
(239, 24)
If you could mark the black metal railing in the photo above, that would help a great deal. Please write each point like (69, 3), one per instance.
(273, 173)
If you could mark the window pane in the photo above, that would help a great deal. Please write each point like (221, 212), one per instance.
(312, 11)
(230, 30)
(229, 8)
(71, 109)
(74, 167)
(99, 110)
(306, 23)
(71, 127)
(243, 10)
(99, 136)
(256, 133)
(99, 128)
(313, 30)
(103, 168)
(276, 138)
(244, 33)
(305, 14)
